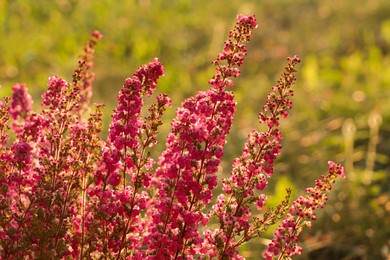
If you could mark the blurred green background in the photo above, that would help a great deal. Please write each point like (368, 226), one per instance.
(342, 101)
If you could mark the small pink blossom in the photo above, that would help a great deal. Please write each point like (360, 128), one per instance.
(21, 102)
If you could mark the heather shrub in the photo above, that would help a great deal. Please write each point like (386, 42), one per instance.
(67, 193)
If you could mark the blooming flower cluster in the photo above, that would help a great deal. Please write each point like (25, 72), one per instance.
(251, 171)
(186, 176)
(302, 212)
(21, 102)
(67, 193)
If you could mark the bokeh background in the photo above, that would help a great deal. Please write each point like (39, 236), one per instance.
(341, 107)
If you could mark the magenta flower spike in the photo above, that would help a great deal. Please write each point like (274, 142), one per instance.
(124, 170)
(21, 102)
(251, 171)
(302, 212)
(186, 176)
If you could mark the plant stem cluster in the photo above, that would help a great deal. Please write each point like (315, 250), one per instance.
(66, 193)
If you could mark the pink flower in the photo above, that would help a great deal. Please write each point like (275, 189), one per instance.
(54, 96)
(114, 179)
(20, 103)
(22, 155)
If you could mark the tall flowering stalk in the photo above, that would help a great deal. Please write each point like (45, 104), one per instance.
(119, 195)
(67, 194)
(302, 213)
(251, 171)
(186, 174)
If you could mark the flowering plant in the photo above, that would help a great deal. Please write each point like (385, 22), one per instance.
(66, 193)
